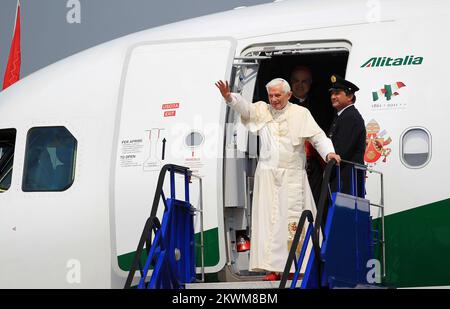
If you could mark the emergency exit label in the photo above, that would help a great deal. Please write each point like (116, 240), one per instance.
(170, 109)
(171, 106)
(170, 113)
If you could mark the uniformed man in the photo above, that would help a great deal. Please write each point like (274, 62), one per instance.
(281, 190)
(347, 132)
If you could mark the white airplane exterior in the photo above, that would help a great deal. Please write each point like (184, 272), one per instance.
(90, 134)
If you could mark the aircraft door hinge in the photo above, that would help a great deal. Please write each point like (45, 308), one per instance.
(244, 70)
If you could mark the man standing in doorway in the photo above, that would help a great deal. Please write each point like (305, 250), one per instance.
(305, 93)
(347, 132)
(281, 190)
(301, 83)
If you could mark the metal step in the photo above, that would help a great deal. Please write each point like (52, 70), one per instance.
(240, 285)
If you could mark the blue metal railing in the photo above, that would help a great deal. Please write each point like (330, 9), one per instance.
(356, 222)
(314, 225)
(172, 251)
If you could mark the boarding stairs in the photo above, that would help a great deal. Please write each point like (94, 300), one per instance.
(170, 256)
(343, 240)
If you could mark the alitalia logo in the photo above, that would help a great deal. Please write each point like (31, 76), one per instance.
(388, 61)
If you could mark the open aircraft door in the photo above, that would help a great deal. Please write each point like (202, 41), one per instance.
(239, 166)
(170, 112)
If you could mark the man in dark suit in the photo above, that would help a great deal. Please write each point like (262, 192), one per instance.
(348, 133)
(301, 83)
(307, 94)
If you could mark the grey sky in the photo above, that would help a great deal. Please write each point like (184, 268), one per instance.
(48, 37)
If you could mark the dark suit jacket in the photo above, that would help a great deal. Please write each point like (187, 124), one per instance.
(348, 134)
(320, 108)
(314, 164)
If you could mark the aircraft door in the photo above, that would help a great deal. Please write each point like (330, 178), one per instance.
(240, 163)
(171, 113)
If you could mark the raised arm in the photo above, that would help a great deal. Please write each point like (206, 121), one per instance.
(224, 89)
(234, 100)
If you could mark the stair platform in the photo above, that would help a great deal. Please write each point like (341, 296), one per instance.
(240, 285)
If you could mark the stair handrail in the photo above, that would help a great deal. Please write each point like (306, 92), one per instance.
(324, 194)
(202, 241)
(381, 206)
(149, 224)
(318, 222)
(306, 214)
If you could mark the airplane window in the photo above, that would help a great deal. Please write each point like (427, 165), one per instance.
(49, 159)
(7, 142)
(415, 147)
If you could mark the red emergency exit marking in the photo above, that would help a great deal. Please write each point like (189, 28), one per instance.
(169, 113)
(170, 105)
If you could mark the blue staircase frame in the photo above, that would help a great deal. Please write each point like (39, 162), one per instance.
(347, 239)
(172, 251)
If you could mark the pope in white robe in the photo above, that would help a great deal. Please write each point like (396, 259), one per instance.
(281, 189)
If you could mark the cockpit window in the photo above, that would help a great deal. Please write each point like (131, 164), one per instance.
(49, 159)
(7, 143)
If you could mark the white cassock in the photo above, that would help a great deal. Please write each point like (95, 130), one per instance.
(281, 189)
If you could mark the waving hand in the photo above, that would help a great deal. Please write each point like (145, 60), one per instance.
(224, 89)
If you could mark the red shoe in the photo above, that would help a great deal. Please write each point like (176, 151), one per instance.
(290, 276)
(272, 277)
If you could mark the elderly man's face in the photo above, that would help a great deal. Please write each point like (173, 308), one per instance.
(301, 83)
(277, 97)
